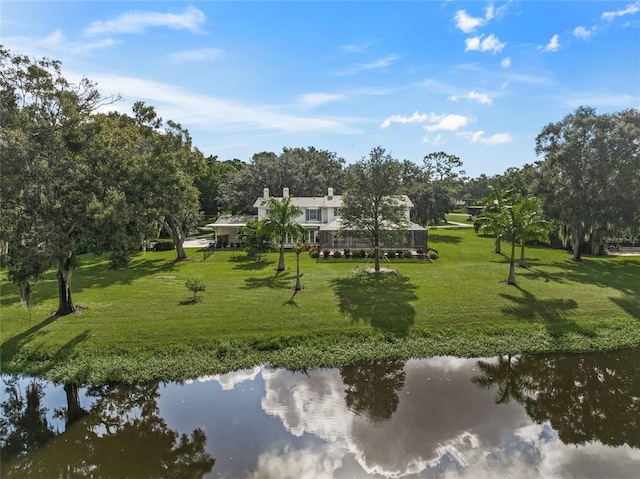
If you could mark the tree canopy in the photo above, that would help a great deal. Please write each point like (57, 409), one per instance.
(590, 175)
(372, 205)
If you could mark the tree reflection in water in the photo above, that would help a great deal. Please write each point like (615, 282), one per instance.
(121, 436)
(585, 397)
(372, 389)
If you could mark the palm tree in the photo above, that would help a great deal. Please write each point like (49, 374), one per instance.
(509, 375)
(493, 219)
(299, 248)
(534, 227)
(509, 217)
(281, 222)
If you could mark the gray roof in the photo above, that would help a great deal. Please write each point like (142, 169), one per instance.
(334, 201)
(232, 220)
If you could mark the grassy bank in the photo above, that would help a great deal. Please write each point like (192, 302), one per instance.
(140, 325)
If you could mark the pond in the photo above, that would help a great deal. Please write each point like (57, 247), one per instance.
(564, 416)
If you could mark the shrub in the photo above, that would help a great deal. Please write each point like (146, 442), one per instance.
(407, 254)
(164, 245)
(337, 254)
(326, 252)
(420, 253)
(433, 254)
(315, 254)
(347, 252)
(195, 286)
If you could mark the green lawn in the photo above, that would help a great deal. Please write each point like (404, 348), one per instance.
(139, 324)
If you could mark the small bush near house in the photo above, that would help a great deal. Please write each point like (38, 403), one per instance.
(337, 254)
(433, 255)
(346, 252)
(326, 253)
(420, 253)
(407, 254)
(164, 245)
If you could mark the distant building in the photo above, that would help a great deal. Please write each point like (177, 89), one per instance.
(475, 210)
(321, 220)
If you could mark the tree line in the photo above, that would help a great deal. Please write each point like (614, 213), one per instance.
(75, 179)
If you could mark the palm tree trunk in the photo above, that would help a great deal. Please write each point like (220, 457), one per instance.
(512, 265)
(281, 266)
(523, 263)
(298, 284)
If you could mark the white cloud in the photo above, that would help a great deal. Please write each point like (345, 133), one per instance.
(440, 122)
(630, 9)
(54, 45)
(197, 55)
(376, 65)
(484, 44)
(478, 137)
(447, 122)
(415, 118)
(208, 112)
(553, 44)
(474, 96)
(136, 22)
(468, 24)
(582, 32)
(317, 99)
(506, 62)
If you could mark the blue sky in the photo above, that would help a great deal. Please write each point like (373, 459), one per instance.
(474, 79)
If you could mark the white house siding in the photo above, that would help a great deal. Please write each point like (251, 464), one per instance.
(323, 231)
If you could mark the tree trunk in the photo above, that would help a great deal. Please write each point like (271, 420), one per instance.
(74, 410)
(523, 263)
(25, 293)
(376, 257)
(174, 228)
(65, 304)
(498, 242)
(577, 243)
(512, 265)
(281, 266)
(298, 284)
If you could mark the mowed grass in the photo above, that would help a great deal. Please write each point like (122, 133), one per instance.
(139, 324)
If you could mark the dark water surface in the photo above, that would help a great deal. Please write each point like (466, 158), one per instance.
(560, 416)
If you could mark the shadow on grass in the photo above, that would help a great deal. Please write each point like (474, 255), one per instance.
(630, 304)
(291, 302)
(93, 272)
(14, 345)
(249, 263)
(382, 301)
(443, 238)
(554, 312)
(607, 272)
(280, 280)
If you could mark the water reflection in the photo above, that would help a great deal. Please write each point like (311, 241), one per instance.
(584, 397)
(122, 435)
(570, 416)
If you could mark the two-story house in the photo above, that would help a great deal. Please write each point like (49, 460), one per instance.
(321, 219)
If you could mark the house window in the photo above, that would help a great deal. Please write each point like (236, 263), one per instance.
(313, 214)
